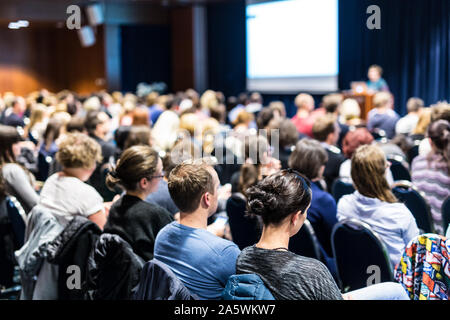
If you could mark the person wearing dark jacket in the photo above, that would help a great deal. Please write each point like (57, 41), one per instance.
(326, 130)
(138, 171)
(97, 126)
(309, 158)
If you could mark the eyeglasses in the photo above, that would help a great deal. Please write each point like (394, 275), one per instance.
(158, 176)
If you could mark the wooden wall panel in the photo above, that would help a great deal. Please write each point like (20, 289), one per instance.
(47, 57)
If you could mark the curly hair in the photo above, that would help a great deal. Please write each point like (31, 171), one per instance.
(77, 150)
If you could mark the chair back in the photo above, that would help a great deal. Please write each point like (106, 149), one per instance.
(399, 171)
(305, 242)
(341, 188)
(416, 203)
(18, 219)
(446, 214)
(360, 255)
(245, 231)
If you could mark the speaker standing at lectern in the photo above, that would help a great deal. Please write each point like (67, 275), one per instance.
(376, 82)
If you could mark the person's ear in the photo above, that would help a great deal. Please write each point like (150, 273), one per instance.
(143, 183)
(207, 199)
(295, 217)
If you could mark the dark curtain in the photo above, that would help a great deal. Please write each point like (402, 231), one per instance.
(146, 55)
(412, 47)
(226, 47)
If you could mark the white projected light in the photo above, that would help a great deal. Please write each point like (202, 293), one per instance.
(292, 46)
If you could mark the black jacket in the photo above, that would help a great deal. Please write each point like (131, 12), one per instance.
(73, 246)
(335, 159)
(8, 244)
(114, 269)
(158, 282)
(137, 222)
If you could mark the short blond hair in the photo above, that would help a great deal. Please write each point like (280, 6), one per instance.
(302, 99)
(381, 99)
(77, 150)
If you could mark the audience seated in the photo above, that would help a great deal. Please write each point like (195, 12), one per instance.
(78, 138)
(201, 260)
(65, 192)
(383, 116)
(309, 158)
(97, 125)
(19, 182)
(431, 173)
(327, 131)
(303, 119)
(161, 195)
(406, 125)
(374, 203)
(350, 113)
(282, 201)
(138, 172)
(13, 116)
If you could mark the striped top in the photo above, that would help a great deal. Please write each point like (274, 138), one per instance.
(432, 178)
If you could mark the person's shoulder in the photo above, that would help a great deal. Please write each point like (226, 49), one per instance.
(154, 209)
(11, 167)
(219, 245)
(417, 160)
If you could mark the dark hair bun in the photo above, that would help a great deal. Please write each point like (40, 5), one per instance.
(260, 200)
(277, 196)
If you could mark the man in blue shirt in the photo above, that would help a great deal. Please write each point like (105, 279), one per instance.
(200, 259)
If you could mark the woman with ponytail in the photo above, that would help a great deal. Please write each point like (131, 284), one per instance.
(374, 203)
(138, 171)
(431, 173)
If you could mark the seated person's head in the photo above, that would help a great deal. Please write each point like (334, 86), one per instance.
(440, 111)
(368, 172)
(138, 135)
(79, 154)
(414, 105)
(193, 185)
(243, 118)
(350, 109)
(281, 200)
(97, 123)
(383, 100)
(304, 101)
(279, 107)
(355, 138)
(375, 72)
(326, 129)
(309, 158)
(138, 169)
(439, 134)
(288, 135)
(9, 144)
(331, 102)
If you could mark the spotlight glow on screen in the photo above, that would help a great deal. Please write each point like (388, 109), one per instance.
(292, 46)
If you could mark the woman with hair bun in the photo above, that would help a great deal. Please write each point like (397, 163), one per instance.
(138, 172)
(431, 173)
(282, 200)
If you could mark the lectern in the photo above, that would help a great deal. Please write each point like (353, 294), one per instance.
(365, 101)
